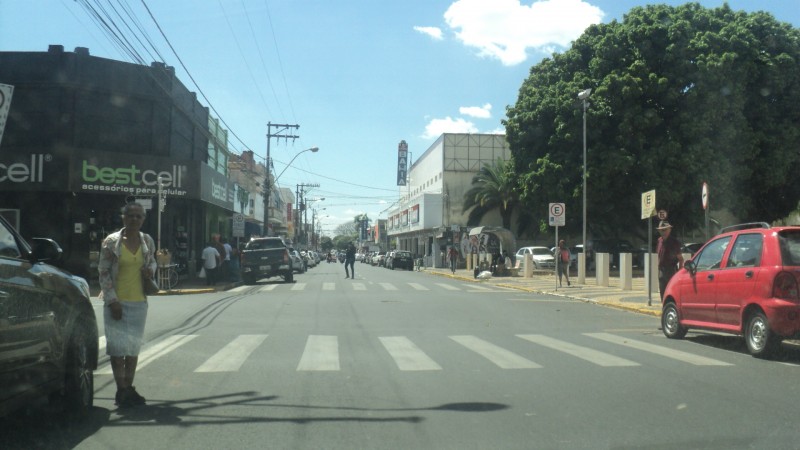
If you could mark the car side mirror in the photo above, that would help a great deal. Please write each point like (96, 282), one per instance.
(690, 266)
(45, 249)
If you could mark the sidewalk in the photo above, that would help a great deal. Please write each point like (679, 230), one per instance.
(184, 287)
(545, 283)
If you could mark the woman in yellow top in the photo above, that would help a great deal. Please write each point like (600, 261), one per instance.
(125, 257)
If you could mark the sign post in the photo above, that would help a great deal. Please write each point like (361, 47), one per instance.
(557, 219)
(704, 198)
(648, 211)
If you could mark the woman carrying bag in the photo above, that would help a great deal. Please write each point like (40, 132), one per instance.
(127, 264)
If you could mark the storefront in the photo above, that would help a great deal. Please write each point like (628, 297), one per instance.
(75, 198)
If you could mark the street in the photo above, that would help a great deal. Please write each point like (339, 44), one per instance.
(398, 359)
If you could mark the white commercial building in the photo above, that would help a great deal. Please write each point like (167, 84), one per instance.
(429, 216)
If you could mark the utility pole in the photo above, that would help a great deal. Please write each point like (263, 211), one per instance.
(281, 131)
(301, 208)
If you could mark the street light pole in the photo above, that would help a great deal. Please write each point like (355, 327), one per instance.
(583, 95)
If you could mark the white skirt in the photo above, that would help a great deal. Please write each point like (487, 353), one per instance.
(124, 336)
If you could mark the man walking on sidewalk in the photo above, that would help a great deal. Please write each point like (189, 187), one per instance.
(452, 254)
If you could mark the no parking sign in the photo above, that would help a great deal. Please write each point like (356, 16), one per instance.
(557, 216)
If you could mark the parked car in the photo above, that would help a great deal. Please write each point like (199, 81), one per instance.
(48, 329)
(387, 261)
(377, 260)
(691, 248)
(542, 257)
(743, 281)
(402, 259)
(297, 261)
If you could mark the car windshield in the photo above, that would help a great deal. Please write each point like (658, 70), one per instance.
(541, 251)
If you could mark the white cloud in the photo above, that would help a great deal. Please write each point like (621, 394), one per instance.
(479, 112)
(505, 29)
(434, 32)
(448, 125)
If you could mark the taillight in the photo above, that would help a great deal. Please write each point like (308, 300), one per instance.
(286, 256)
(785, 287)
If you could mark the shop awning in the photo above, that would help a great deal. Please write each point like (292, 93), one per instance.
(507, 240)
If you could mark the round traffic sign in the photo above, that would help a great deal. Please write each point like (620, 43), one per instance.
(704, 195)
(662, 214)
(556, 209)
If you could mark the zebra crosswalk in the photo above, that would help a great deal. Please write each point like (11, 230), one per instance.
(323, 353)
(370, 286)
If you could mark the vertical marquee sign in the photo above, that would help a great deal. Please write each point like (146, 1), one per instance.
(402, 163)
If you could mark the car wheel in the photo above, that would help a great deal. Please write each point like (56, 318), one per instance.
(289, 277)
(670, 322)
(761, 341)
(78, 395)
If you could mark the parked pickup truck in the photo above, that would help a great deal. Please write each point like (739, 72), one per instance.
(265, 258)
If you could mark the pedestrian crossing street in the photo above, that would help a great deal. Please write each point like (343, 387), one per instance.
(372, 286)
(323, 353)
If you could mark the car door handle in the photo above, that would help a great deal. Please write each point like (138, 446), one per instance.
(710, 276)
(748, 274)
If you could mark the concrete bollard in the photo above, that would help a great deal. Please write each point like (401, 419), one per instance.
(601, 268)
(528, 266)
(626, 271)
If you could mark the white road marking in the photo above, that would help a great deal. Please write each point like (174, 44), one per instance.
(231, 357)
(359, 287)
(321, 354)
(153, 353)
(498, 355)
(407, 355)
(658, 350)
(593, 356)
(299, 286)
(388, 286)
(448, 287)
(418, 286)
(328, 286)
(268, 287)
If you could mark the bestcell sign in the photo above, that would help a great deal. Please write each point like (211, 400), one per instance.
(130, 178)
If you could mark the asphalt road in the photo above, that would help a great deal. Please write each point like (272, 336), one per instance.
(397, 359)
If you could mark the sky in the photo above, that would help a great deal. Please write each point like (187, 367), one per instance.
(357, 76)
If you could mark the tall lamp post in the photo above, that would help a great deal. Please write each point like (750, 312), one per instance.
(583, 96)
(268, 185)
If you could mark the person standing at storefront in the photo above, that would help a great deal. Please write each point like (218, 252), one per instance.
(225, 273)
(211, 262)
(126, 257)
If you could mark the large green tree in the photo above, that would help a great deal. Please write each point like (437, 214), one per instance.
(681, 96)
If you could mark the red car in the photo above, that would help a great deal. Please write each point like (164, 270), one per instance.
(743, 281)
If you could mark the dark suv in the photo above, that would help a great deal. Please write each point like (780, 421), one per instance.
(48, 330)
(265, 258)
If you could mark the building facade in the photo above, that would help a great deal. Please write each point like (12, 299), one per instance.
(429, 215)
(86, 134)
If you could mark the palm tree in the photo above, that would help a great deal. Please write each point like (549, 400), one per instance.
(494, 186)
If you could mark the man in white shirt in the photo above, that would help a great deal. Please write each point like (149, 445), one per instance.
(211, 259)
